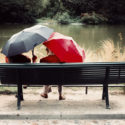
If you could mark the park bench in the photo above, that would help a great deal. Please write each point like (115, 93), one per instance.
(103, 73)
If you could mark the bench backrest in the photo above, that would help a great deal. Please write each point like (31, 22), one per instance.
(64, 73)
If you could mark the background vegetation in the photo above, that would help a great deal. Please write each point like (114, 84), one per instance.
(64, 11)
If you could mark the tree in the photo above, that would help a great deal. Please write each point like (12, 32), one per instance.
(21, 11)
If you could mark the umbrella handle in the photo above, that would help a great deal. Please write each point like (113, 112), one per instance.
(33, 52)
(34, 57)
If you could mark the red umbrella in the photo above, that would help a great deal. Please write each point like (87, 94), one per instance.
(65, 48)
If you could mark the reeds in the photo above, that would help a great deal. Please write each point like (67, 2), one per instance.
(107, 52)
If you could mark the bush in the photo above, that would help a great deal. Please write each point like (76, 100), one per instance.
(63, 18)
(93, 18)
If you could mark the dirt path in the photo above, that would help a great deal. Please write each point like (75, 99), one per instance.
(72, 111)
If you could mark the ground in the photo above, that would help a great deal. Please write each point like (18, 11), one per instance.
(77, 109)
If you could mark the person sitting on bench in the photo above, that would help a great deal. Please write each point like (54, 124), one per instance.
(51, 58)
(20, 58)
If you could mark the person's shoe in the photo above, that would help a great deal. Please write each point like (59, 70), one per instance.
(44, 95)
(49, 90)
(62, 98)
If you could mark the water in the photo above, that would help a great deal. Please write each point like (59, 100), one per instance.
(88, 36)
(92, 36)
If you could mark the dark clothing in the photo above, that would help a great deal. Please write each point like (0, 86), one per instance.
(18, 59)
(34, 58)
(50, 59)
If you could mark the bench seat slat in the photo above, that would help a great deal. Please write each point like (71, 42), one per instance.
(40, 73)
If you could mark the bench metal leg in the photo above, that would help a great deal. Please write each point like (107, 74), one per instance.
(107, 97)
(19, 95)
(103, 93)
(86, 90)
(105, 88)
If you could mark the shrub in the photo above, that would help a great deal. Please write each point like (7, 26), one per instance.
(63, 18)
(93, 18)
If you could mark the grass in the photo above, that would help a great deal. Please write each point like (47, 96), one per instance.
(8, 90)
(107, 52)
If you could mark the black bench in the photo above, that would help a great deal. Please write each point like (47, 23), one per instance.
(63, 74)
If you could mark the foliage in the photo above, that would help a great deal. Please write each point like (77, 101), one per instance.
(63, 18)
(12, 11)
(66, 18)
(113, 10)
(93, 18)
(22, 11)
(81, 6)
(26, 11)
(54, 7)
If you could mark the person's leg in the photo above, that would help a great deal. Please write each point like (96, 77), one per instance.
(61, 97)
(49, 88)
(45, 91)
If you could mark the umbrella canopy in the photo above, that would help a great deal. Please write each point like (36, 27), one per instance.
(26, 40)
(65, 48)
